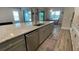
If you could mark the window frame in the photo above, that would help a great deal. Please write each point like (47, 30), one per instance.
(50, 16)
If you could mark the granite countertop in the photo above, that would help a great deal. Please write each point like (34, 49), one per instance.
(10, 31)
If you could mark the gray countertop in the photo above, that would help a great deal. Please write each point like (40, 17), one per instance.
(10, 31)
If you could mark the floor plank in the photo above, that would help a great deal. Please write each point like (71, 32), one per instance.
(59, 40)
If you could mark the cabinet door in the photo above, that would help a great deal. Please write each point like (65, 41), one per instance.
(49, 29)
(73, 37)
(32, 40)
(42, 34)
(15, 44)
(75, 40)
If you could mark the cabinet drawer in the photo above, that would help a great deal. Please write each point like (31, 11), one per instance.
(18, 46)
(11, 43)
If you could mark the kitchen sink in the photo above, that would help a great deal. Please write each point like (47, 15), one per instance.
(39, 24)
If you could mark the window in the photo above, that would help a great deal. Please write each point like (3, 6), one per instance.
(41, 16)
(54, 15)
(27, 15)
(16, 16)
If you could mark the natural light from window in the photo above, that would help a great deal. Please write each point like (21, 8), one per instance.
(27, 15)
(16, 16)
(54, 15)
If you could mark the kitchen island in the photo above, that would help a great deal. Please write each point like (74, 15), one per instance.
(24, 36)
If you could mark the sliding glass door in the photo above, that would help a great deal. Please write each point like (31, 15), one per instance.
(27, 15)
(41, 15)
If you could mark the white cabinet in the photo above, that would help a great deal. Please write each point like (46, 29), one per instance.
(32, 40)
(75, 40)
(15, 44)
(75, 30)
(76, 16)
(73, 35)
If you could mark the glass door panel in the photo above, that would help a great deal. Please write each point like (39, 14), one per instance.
(41, 15)
(27, 15)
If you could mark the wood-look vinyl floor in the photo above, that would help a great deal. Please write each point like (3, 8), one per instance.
(59, 40)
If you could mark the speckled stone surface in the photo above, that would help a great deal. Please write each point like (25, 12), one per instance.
(10, 31)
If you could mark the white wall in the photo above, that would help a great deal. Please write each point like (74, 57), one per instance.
(68, 12)
(5, 15)
(20, 10)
